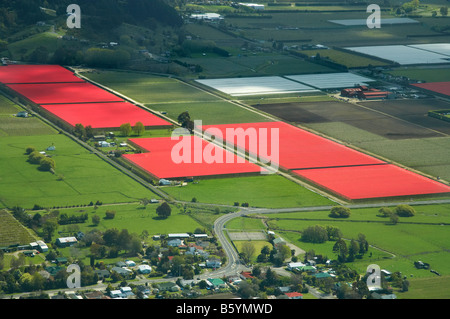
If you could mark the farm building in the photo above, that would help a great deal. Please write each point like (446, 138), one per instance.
(254, 6)
(66, 241)
(179, 235)
(22, 114)
(200, 235)
(207, 16)
(39, 245)
(216, 283)
(364, 93)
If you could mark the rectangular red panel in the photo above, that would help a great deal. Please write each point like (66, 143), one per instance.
(298, 148)
(36, 74)
(438, 87)
(373, 181)
(104, 115)
(158, 159)
(58, 93)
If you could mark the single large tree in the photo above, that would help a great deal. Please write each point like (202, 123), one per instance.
(163, 210)
(139, 128)
(341, 250)
(248, 251)
(125, 129)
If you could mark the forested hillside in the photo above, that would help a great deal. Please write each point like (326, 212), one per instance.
(36, 31)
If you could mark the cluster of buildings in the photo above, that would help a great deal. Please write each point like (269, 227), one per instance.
(363, 92)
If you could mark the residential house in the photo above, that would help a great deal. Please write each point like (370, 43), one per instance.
(322, 275)
(130, 263)
(102, 273)
(308, 269)
(144, 289)
(116, 294)
(104, 144)
(246, 275)
(278, 241)
(53, 270)
(95, 295)
(234, 279)
(144, 269)
(213, 263)
(294, 295)
(284, 290)
(292, 265)
(72, 295)
(174, 242)
(126, 292)
(124, 272)
(168, 286)
(376, 295)
(187, 282)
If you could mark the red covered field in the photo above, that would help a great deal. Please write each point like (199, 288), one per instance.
(438, 87)
(373, 181)
(104, 115)
(298, 149)
(59, 93)
(159, 162)
(36, 74)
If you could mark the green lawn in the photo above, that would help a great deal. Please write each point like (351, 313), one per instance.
(81, 177)
(136, 219)
(257, 244)
(271, 191)
(243, 223)
(427, 288)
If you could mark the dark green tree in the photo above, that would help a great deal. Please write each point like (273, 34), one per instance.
(163, 210)
(340, 212)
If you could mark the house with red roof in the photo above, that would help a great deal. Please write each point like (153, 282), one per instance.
(294, 295)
